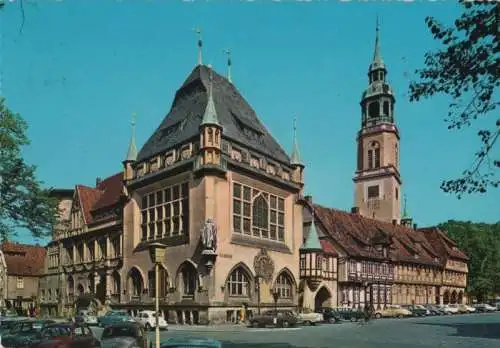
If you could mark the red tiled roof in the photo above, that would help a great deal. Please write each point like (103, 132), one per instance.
(104, 195)
(23, 259)
(443, 243)
(357, 234)
(327, 247)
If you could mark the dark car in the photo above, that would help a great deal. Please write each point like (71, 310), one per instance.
(8, 324)
(434, 310)
(281, 318)
(416, 311)
(66, 335)
(125, 335)
(330, 315)
(24, 332)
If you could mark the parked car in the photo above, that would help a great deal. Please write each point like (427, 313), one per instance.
(351, 314)
(434, 310)
(114, 317)
(86, 317)
(484, 308)
(466, 309)
(66, 335)
(309, 317)
(417, 310)
(24, 332)
(176, 342)
(392, 311)
(330, 315)
(147, 319)
(450, 309)
(281, 318)
(8, 324)
(124, 335)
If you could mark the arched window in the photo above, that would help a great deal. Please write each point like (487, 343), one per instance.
(135, 282)
(374, 155)
(284, 286)
(162, 282)
(260, 213)
(374, 110)
(238, 283)
(189, 279)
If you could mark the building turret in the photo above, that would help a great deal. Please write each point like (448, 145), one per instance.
(311, 257)
(210, 130)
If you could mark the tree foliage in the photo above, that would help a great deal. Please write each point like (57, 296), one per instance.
(24, 203)
(466, 68)
(481, 242)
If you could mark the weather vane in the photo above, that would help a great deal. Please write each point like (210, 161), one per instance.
(227, 52)
(197, 30)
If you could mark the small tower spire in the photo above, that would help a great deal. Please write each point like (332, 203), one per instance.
(210, 115)
(377, 58)
(312, 241)
(227, 52)
(197, 30)
(132, 148)
(405, 211)
(295, 157)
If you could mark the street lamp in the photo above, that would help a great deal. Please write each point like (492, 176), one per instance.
(276, 296)
(157, 253)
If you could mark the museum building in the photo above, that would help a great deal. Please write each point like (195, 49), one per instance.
(214, 187)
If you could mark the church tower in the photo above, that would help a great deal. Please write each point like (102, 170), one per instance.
(377, 179)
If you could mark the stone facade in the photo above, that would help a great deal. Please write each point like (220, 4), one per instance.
(226, 201)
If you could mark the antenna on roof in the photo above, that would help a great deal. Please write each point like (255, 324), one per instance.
(197, 30)
(227, 52)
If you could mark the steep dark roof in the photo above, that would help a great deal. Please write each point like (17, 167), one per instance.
(239, 121)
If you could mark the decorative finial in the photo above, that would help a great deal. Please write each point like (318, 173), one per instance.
(132, 148)
(405, 212)
(295, 157)
(197, 30)
(227, 52)
(376, 54)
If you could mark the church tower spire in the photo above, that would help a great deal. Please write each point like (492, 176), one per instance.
(377, 178)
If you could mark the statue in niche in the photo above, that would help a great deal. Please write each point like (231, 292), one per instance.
(209, 235)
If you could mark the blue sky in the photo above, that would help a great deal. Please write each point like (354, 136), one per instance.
(79, 69)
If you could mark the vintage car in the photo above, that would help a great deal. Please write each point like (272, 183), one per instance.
(392, 311)
(484, 308)
(115, 317)
(147, 318)
(281, 318)
(24, 332)
(417, 310)
(86, 317)
(66, 335)
(330, 315)
(307, 316)
(177, 342)
(124, 335)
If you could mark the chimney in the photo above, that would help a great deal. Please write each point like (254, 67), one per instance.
(309, 199)
(415, 226)
(355, 210)
(394, 222)
(98, 181)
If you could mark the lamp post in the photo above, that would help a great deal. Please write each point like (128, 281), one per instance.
(276, 296)
(157, 253)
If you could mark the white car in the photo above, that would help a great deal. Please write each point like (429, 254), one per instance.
(451, 308)
(310, 317)
(147, 319)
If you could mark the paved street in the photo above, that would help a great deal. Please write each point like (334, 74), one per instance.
(481, 330)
